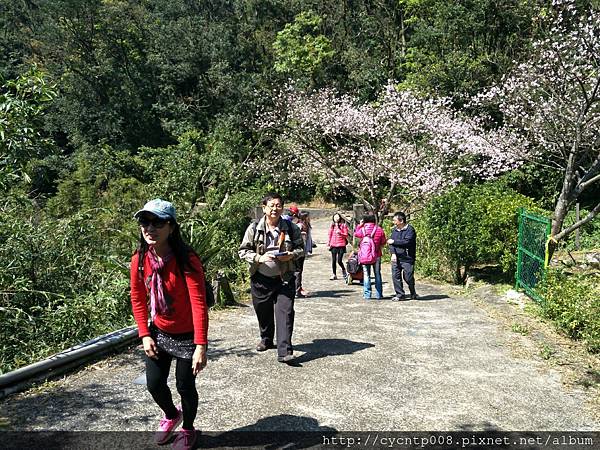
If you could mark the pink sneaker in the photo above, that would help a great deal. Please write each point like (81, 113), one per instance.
(166, 428)
(185, 439)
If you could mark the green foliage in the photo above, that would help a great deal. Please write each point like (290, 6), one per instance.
(22, 105)
(63, 280)
(176, 172)
(589, 233)
(458, 47)
(469, 225)
(228, 223)
(299, 52)
(387, 226)
(57, 323)
(103, 179)
(572, 301)
(537, 182)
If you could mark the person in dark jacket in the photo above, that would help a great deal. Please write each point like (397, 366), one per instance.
(403, 245)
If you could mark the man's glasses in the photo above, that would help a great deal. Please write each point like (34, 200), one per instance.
(156, 223)
(274, 206)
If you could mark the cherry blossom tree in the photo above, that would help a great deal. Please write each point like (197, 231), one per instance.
(554, 99)
(400, 148)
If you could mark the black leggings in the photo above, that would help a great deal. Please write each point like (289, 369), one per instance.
(337, 253)
(157, 372)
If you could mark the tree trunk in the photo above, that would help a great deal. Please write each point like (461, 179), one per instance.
(564, 200)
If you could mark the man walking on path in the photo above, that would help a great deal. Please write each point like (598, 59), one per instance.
(272, 246)
(403, 245)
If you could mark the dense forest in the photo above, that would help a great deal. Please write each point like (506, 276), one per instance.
(107, 103)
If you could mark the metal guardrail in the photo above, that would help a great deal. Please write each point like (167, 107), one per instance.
(60, 362)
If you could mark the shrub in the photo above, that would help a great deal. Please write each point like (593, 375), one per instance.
(62, 283)
(572, 301)
(469, 225)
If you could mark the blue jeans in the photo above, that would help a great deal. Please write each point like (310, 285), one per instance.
(367, 279)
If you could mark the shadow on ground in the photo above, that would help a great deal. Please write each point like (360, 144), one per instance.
(431, 297)
(99, 404)
(215, 351)
(338, 293)
(322, 348)
(303, 432)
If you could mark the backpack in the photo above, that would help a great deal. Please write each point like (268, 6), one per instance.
(352, 265)
(367, 253)
(210, 291)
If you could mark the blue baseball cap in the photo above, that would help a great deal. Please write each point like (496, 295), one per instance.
(160, 208)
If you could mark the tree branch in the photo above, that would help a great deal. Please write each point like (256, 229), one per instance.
(564, 233)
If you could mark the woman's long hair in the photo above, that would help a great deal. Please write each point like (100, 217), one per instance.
(342, 219)
(181, 250)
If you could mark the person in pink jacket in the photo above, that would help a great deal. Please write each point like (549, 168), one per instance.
(368, 227)
(338, 238)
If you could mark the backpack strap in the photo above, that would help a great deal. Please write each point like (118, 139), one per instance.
(255, 233)
(140, 268)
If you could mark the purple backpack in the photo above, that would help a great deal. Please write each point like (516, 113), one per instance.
(367, 253)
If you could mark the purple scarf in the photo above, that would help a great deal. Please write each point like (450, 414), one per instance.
(157, 295)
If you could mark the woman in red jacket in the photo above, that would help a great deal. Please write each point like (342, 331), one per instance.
(338, 238)
(167, 274)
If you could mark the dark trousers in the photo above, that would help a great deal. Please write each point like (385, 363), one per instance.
(274, 297)
(402, 269)
(337, 256)
(298, 273)
(157, 372)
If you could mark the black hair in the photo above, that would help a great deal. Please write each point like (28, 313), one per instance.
(342, 219)
(181, 250)
(271, 196)
(369, 218)
(400, 216)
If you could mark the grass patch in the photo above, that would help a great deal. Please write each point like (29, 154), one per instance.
(572, 302)
(546, 352)
(520, 328)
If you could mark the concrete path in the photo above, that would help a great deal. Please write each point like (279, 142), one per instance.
(438, 363)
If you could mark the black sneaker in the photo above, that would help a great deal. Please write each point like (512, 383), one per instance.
(414, 297)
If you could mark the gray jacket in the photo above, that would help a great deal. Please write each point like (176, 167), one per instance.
(253, 246)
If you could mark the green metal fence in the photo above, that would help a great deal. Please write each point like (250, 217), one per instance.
(532, 262)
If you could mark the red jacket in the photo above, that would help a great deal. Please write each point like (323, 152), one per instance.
(379, 236)
(189, 310)
(338, 233)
